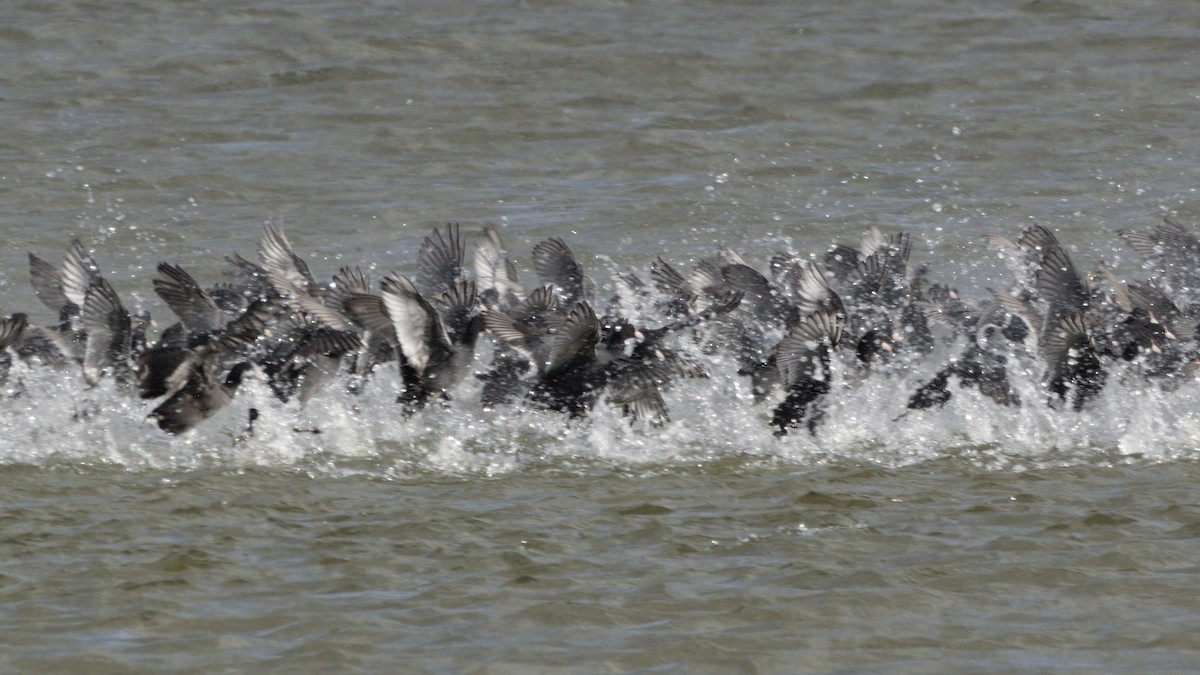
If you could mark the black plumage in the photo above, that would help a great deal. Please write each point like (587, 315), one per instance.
(804, 359)
(204, 390)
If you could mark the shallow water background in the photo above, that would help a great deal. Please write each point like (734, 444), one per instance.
(966, 539)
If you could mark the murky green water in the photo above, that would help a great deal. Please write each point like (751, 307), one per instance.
(968, 539)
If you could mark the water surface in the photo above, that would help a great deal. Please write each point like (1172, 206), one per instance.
(964, 539)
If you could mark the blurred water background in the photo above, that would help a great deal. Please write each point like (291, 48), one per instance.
(967, 539)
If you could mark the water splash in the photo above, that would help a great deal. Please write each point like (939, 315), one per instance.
(713, 420)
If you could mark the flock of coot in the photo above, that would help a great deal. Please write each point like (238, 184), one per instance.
(561, 344)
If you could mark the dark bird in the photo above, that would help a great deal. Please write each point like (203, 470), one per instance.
(376, 347)
(109, 335)
(495, 272)
(577, 355)
(982, 364)
(435, 345)
(90, 314)
(1172, 253)
(1073, 367)
(769, 309)
(562, 349)
(636, 365)
(11, 330)
(440, 261)
(533, 316)
(556, 265)
(1062, 329)
(804, 361)
(311, 341)
(500, 291)
(306, 359)
(200, 378)
(164, 367)
(62, 289)
(977, 368)
(201, 390)
(276, 254)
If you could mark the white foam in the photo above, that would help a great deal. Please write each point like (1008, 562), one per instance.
(51, 417)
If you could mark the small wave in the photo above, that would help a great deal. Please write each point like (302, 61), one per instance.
(714, 420)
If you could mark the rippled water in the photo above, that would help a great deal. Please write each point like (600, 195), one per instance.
(965, 539)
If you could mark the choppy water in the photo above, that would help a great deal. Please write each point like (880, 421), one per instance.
(965, 539)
